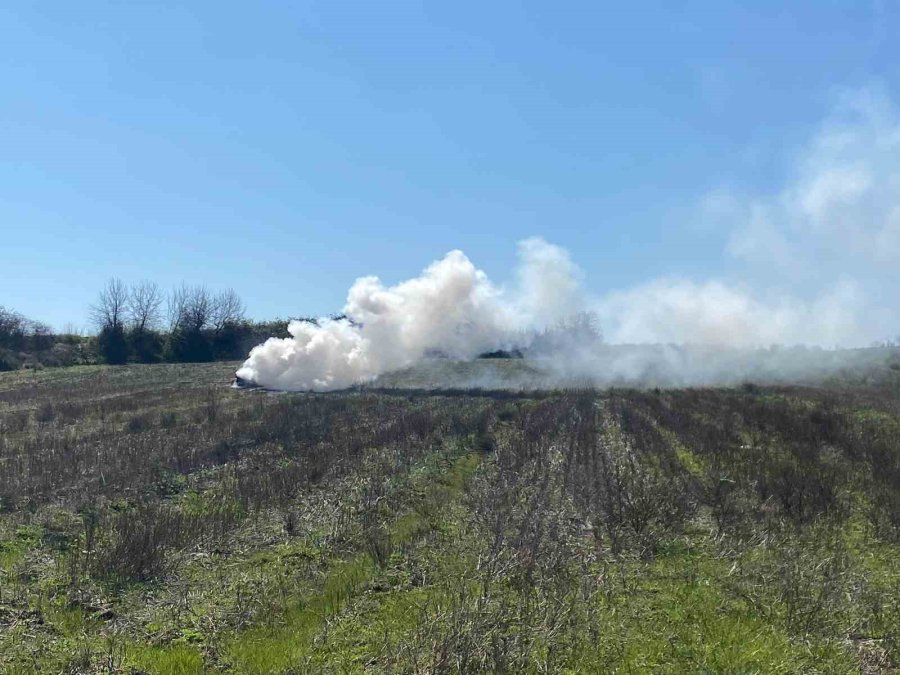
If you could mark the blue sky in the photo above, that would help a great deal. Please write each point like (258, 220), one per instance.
(283, 149)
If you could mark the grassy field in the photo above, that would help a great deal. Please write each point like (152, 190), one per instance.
(153, 520)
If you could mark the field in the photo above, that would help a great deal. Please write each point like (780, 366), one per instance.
(154, 520)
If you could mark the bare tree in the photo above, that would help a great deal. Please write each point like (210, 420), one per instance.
(144, 303)
(175, 307)
(110, 309)
(227, 308)
(199, 309)
(190, 308)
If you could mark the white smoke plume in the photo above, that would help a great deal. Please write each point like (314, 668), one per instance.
(812, 264)
(451, 309)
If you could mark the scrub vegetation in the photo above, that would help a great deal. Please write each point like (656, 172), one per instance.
(154, 520)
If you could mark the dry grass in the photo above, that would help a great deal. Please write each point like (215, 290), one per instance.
(152, 519)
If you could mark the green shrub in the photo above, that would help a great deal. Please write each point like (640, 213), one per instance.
(8, 360)
(112, 345)
(146, 345)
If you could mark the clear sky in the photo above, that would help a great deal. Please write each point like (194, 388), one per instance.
(285, 148)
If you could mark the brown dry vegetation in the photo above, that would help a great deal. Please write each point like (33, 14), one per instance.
(154, 520)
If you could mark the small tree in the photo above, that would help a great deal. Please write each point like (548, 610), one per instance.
(112, 305)
(144, 305)
(228, 325)
(108, 314)
(191, 310)
(227, 309)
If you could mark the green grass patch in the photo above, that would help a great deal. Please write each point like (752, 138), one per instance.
(679, 617)
(167, 660)
(288, 640)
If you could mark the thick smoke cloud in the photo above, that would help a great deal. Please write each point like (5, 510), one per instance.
(811, 264)
(451, 309)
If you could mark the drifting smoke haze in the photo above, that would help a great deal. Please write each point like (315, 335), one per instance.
(814, 264)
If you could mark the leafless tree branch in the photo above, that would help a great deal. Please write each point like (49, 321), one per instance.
(144, 303)
(110, 309)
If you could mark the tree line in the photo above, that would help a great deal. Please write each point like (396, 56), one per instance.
(191, 323)
(142, 323)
